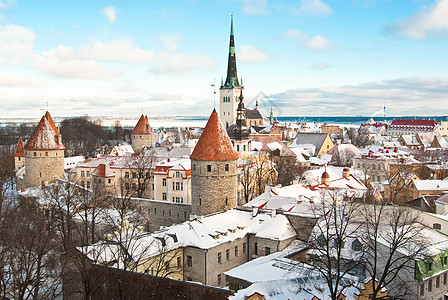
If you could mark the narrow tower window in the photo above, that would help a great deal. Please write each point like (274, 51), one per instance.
(209, 168)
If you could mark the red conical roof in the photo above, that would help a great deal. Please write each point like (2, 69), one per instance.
(214, 143)
(50, 120)
(142, 126)
(20, 150)
(44, 137)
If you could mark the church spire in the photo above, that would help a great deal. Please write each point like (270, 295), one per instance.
(232, 78)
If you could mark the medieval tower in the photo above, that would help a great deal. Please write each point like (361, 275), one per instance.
(231, 89)
(213, 170)
(142, 135)
(44, 154)
(19, 155)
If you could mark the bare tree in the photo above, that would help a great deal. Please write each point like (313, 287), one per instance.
(393, 239)
(334, 252)
(246, 179)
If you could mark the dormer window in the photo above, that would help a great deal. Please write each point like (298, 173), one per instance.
(356, 245)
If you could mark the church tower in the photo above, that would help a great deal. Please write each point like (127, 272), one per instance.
(239, 133)
(213, 170)
(231, 89)
(44, 154)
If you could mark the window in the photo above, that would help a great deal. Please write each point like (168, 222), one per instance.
(378, 178)
(422, 290)
(87, 173)
(228, 254)
(163, 196)
(148, 175)
(256, 249)
(35, 154)
(236, 251)
(219, 257)
(177, 174)
(209, 168)
(356, 245)
(134, 175)
(189, 261)
(173, 186)
(437, 282)
(437, 226)
(430, 266)
(177, 186)
(244, 248)
(200, 201)
(126, 174)
(167, 266)
(444, 279)
(379, 167)
(177, 199)
(237, 147)
(194, 167)
(219, 279)
(178, 262)
(164, 182)
(88, 184)
(109, 180)
(181, 186)
(226, 201)
(430, 285)
(82, 174)
(267, 251)
(244, 147)
(226, 167)
(126, 185)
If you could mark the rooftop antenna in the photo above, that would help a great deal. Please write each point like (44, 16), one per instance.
(214, 93)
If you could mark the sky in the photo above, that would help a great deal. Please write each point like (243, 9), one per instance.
(304, 58)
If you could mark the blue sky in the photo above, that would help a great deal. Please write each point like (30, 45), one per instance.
(309, 57)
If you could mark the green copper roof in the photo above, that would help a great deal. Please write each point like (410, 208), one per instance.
(232, 78)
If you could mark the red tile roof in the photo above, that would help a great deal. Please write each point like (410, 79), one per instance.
(403, 122)
(214, 143)
(50, 120)
(20, 150)
(103, 170)
(44, 137)
(142, 126)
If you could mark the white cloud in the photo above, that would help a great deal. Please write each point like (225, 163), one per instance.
(16, 43)
(169, 42)
(119, 50)
(110, 13)
(63, 61)
(295, 35)
(320, 66)
(7, 79)
(320, 43)
(254, 7)
(252, 54)
(6, 4)
(315, 43)
(403, 96)
(426, 20)
(312, 7)
(180, 64)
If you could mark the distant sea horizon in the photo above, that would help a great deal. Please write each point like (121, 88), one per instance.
(200, 121)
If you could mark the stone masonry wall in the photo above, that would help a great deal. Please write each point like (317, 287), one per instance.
(215, 190)
(43, 166)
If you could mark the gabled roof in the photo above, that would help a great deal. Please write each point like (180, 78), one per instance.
(270, 144)
(103, 170)
(142, 126)
(20, 150)
(44, 137)
(214, 143)
(253, 114)
(306, 138)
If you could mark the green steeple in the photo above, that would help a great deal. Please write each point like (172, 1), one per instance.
(232, 78)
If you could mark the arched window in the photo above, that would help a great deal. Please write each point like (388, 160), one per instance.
(356, 245)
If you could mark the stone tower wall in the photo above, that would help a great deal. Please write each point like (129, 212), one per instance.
(209, 190)
(43, 166)
(140, 140)
(18, 162)
(227, 110)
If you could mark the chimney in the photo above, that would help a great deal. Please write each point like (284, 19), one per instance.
(325, 178)
(254, 211)
(346, 173)
(59, 137)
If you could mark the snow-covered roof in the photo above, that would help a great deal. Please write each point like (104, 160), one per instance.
(431, 185)
(70, 162)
